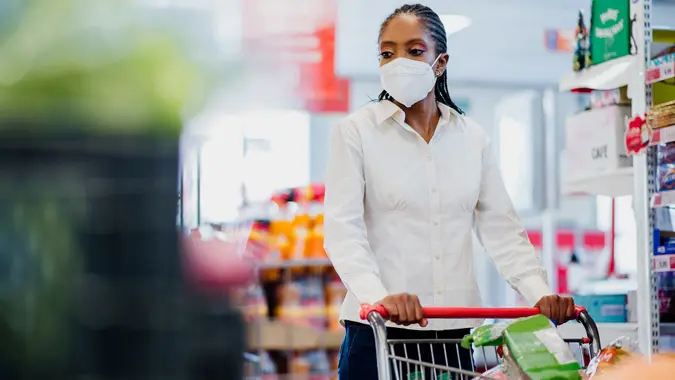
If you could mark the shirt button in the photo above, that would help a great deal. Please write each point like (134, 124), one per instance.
(433, 190)
(438, 257)
(435, 223)
(428, 158)
(439, 292)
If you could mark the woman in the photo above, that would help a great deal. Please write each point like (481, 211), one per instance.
(408, 177)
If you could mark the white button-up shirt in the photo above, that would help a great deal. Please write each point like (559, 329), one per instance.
(399, 213)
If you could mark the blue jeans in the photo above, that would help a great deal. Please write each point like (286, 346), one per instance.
(357, 359)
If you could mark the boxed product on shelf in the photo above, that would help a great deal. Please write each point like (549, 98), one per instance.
(662, 115)
(594, 141)
(606, 98)
(605, 308)
(665, 177)
(664, 242)
(666, 153)
(666, 296)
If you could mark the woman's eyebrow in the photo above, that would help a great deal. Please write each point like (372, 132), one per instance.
(416, 41)
(409, 42)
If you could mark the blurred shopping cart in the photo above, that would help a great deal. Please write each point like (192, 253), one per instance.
(441, 358)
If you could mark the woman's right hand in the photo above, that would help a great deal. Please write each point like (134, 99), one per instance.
(404, 309)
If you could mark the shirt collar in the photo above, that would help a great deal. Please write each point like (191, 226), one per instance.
(386, 109)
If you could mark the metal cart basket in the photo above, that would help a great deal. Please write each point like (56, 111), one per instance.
(432, 359)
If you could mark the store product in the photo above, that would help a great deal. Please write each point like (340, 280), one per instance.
(667, 153)
(289, 307)
(299, 232)
(335, 294)
(534, 346)
(605, 98)
(612, 355)
(314, 243)
(485, 336)
(581, 49)
(267, 367)
(496, 373)
(419, 375)
(605, 308)
(595, 141)
(662, 115)
(666, 297)
(665, 177)
(610, 30)
(300, 366)
(319, 365)
(313, 301)
(255, 304)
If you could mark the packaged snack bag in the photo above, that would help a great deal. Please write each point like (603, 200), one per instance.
(612, 355)
(536, 349)
(484, 336)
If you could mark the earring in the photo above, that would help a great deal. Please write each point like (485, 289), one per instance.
(438, 73)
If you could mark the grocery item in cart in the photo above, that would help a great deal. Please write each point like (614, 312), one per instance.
(615, 353)
(485, 336)
(420, 376)
(534, 346)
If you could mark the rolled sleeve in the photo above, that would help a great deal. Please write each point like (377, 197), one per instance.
(345, 237)
(505, 239)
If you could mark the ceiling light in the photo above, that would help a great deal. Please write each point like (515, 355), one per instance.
(455, 23)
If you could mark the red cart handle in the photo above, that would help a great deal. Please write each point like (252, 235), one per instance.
(467, 312)
(581, 315)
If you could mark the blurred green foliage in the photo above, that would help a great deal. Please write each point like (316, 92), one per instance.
(95, 62)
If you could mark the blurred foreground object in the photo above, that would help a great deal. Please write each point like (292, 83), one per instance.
(91, 276)
(662, 367)
(215, 264)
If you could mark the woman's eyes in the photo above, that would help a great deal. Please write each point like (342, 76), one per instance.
(413, 52)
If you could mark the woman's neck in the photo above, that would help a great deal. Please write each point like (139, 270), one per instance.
(423, 116)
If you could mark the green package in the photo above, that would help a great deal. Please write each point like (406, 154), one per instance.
(420, 376)
(610, 30)
(535, 346)
(484, 336)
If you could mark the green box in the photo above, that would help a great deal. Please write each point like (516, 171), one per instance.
(610, 30)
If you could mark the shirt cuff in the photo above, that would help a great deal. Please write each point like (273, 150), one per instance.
(367, 288)
(534, 288)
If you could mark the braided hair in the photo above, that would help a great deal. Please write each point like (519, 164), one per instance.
(436, 30)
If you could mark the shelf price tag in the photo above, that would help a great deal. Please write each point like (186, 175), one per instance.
(664, 263)
(661, 68)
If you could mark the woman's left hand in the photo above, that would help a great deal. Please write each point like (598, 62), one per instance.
(559, 309)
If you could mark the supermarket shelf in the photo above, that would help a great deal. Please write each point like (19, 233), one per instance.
(663, 135)
(661, 68)
(286, 336)
(663, 199)
(605, 76)
(613, 183)
(297, 264)
(664, 263)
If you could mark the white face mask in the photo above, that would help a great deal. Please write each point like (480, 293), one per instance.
(407, 80)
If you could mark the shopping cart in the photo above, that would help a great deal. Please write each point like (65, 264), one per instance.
(434, 359)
